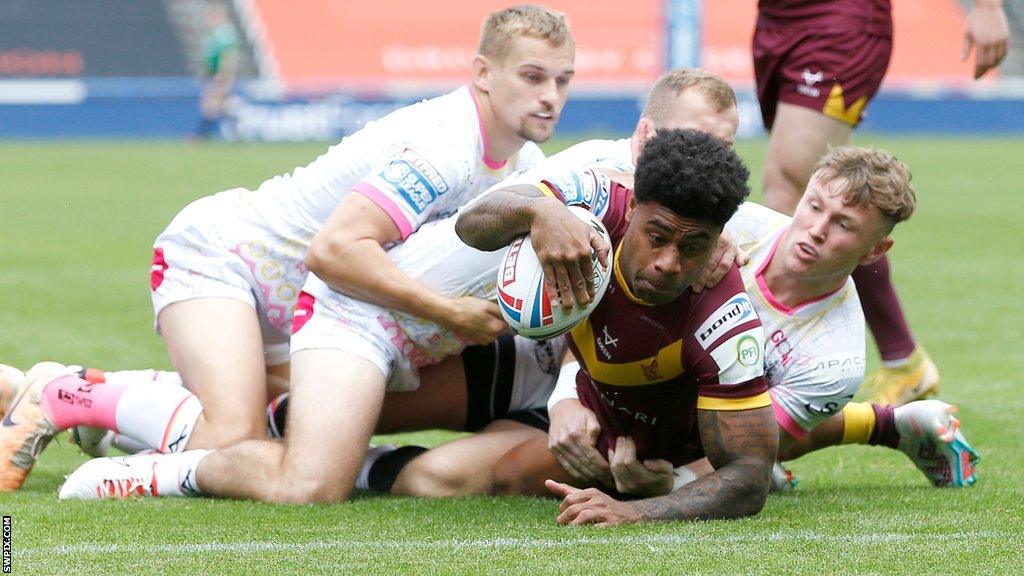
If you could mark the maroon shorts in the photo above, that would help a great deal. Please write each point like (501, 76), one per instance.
(833, 71)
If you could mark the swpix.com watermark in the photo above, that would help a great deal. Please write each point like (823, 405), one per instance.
(7, 545)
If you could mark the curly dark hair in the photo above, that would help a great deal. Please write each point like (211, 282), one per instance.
(693, 174)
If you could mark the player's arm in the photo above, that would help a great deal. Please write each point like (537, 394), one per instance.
(574, 429)
(563, 243)
(987, 30)
(348, 254)
(741, 446)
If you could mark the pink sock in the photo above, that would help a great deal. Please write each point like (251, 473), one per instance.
(71, 401)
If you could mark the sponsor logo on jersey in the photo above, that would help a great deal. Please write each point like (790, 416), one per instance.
(829, 408)
(576, 187)
(728, 316)
(748, 351)
(415, 180)
(651, 371)
(508, 274)
(605, 341)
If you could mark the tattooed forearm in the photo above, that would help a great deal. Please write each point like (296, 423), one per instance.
(741, 445)
(497, 219)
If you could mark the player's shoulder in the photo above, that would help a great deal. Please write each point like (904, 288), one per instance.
(721, 309)
(753, 222)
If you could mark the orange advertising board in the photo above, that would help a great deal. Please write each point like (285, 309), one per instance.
(318, 44)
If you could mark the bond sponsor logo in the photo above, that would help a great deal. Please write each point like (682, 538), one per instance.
(576, 188)
(415, 180)
(729, 315)
(748, 351)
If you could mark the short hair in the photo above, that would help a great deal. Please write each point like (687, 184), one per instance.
(503, 26)
(674, 82)
(693, 174)
(870, 177)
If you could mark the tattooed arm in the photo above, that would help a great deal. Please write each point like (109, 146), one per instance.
(741, 445)
(562, 242)
(499, 217)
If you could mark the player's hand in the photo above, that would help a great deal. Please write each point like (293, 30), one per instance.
(725, 255)
(590, 506)
(572, 438)
(564, 245)
(477, 320)
(988, 32)
(647, 478)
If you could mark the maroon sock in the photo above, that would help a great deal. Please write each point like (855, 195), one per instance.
(882, 310)
(884, 433)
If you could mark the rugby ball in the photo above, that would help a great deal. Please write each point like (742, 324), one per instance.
(523, 297)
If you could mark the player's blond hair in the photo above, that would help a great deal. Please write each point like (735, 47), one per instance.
(503, 26)
(869, 176)
(674, 82)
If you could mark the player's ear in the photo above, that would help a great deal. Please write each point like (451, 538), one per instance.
(631, 207)
(480, 70)
(643, 132)
(877, 251)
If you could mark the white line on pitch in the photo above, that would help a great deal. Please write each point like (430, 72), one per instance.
(229, 547)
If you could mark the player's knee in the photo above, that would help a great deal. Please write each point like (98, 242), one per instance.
(304, 489)
(508, 479)
(433, 478)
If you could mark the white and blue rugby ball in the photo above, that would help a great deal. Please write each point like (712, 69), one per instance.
(523, 298)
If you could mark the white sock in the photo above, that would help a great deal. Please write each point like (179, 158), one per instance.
(148, 376)
(175, 474)
(159, 416)
(128, 445)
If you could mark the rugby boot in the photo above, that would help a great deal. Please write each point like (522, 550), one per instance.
(930, 436)
(26, 429)
(11, 380)
(916, 380)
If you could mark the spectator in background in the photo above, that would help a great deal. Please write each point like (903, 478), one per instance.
(220, 52)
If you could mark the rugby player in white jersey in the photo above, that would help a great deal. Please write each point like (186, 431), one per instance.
(228, 270)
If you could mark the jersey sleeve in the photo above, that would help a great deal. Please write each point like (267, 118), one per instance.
(408, 185)
(753, 222)
(594, 190)
(726, 349)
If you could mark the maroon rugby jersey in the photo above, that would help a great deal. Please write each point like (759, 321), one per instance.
(873, 16)
(645, 370)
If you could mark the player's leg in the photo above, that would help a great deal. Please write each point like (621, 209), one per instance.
(798, 139)
(523, 470)
(335, 403)
(464, 466)
(217, 347)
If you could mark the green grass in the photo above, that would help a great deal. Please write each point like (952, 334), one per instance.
(76, 226)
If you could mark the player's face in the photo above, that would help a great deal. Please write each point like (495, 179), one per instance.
(828, 238)
(662, 253)
(694, 111)
(529, 86)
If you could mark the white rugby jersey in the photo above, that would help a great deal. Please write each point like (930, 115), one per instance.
(814, 353)
(418, 163)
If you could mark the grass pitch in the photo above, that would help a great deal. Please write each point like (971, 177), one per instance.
(76, 226)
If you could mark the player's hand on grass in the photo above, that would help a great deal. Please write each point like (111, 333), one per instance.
(476, 320)
(725, 255)
(572, 438)
(988, 32)
(647, 478)
(564, 245)
(590, 506)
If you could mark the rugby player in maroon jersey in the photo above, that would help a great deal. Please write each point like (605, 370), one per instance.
(670, 374)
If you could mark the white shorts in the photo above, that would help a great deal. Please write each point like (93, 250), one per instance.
(395, 342)
(209, 251)
(537, 365)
